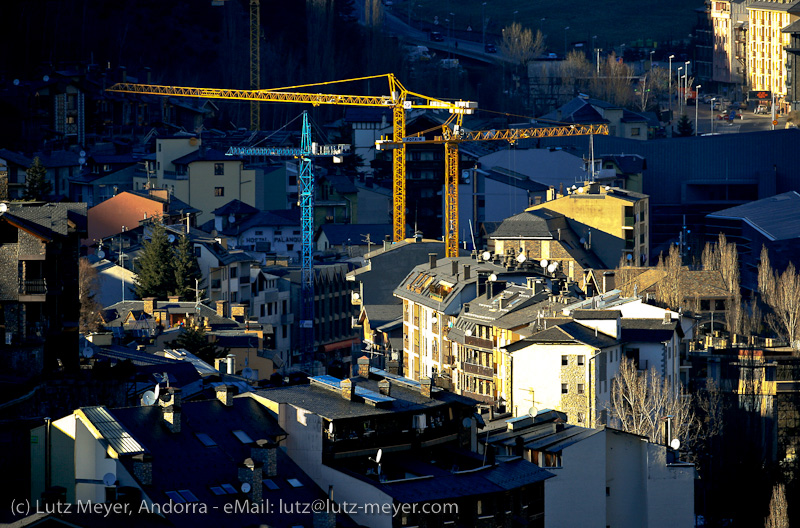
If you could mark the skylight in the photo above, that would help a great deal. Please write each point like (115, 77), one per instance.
(206, 440)
(242, 436)
(294, 483)
(188, 495)
(216, 490)
(230, 489)
(269, 484)
(175, 497)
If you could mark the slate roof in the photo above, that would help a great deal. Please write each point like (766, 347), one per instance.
(49, 219)
(14, 157)
(117, 312)
(774, 6)
(627, 163)
(596, 314)
(204, 155)
(182, 462)
(288, 217)
(330, 404)
(355, 234)
(775, 217)
(236, 341)
(342, 184)
(235, 207)
(380, 315)
(570, 332)
(529, 224)
(648, 330)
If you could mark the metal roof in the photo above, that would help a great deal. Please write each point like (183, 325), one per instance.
(115, 433)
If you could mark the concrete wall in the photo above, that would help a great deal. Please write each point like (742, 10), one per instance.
(626, 480)
(670, 491)
(91, 463)
(237, 183)
(576, 496)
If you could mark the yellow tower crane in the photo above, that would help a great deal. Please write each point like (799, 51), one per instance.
(400, 100)
(451, 137)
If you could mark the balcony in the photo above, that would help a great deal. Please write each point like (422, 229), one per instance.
(478, 370)
(478, 342)
(216, 284)
(172, 175)
(32, 290)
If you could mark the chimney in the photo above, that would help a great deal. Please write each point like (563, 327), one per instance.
(143, 468)
(393, 367)
(266, 454)
(170, 403)
(425, 387)
(250, 472)
(454, 265)
(174, 298)
(667, 318)
(363, 367)
(386, 245)
(149, 305)
(432, 260)
(384, 387)
(231, 362)
(466, 272)
(222, 308)
(348, 389)
(225, 395)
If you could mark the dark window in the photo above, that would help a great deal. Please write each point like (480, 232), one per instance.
(234, 272)
(219, 191)
(564, 389)
(564, 360)
(581, 360)
(219, 169)
(580, 388)
(197, 251)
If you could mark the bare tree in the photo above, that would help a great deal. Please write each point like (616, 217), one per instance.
(781, 292)
(577, 73)
(624, 278)
(521, 45)
(669, 289)
(614, 82)
(778, 509)
(640, 402)
(87, 289)
(724, 257)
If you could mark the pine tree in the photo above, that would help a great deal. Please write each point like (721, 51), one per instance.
(36, 185)
(156, 274)
(196, 341)
(685, 128)
(186, 269)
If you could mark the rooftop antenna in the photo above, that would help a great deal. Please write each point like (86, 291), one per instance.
(591, 143)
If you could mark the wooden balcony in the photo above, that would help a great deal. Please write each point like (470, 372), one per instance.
(478, 342)
(478, 370)
(32, 290)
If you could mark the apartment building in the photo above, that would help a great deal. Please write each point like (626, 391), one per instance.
(729, 24)
(766, 47)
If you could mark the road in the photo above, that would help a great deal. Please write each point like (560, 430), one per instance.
(748, 122)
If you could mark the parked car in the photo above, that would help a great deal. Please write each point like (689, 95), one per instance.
(490, 48)
(437, 36)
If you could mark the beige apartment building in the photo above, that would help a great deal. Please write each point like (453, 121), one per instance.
(766, 43)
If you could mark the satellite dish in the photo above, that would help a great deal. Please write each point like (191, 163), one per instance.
(552, 267)
(533, 411)
(46, 78)
(157, 390)
(675, 444)
(493, 277)
(466, 422)
(543, 263)
(87, 352)
(379, 456)
(109, 479)
(148, 398)
(171, 238)
(3, 207)
(629, 257)
(521, 258)
(330, 428)
(82, 153)
(248, 373)
(101, 254)
(468, 332)
(245, 488)
(486, 255)
(16, 82)
(231, 219)
(583, 240)
(580, 190)
(81, 160)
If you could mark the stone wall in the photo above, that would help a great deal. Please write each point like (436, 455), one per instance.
(574, 403)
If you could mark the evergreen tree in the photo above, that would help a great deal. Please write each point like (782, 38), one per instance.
(196, 341)
(156, 274)
(186, 269)
(685, 128)
(36, 185)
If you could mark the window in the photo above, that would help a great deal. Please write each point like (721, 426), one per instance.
(283, 332)
(259, 233)
(635, 131)
(289, 247)
(197, 251)
(216, 490)
(263, 306)
(270, 484)
(294, 483)
(219, 191)
(219, 169)
(230, 489)
(580, 388)
(206, 440)
(234, 272)
(242, 436)
(581, 360)
(564, 360)
(564, 389)
(581, 417)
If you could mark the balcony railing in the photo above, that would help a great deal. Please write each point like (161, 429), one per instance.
(33, 287)
(480, 370)
(478, 342)
(216, 284)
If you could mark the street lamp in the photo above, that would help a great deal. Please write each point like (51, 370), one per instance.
(483, 22)
(678, 82)
(565, 41)
(686, 83)
(670, 85)
(696, 104)
(651, 58)
(712, 113)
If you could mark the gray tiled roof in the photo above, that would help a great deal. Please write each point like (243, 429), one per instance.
(775, 217)
(596, 314)
(569, 332)
(529, 224)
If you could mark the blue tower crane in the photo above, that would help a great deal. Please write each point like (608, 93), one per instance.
(307, 151)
